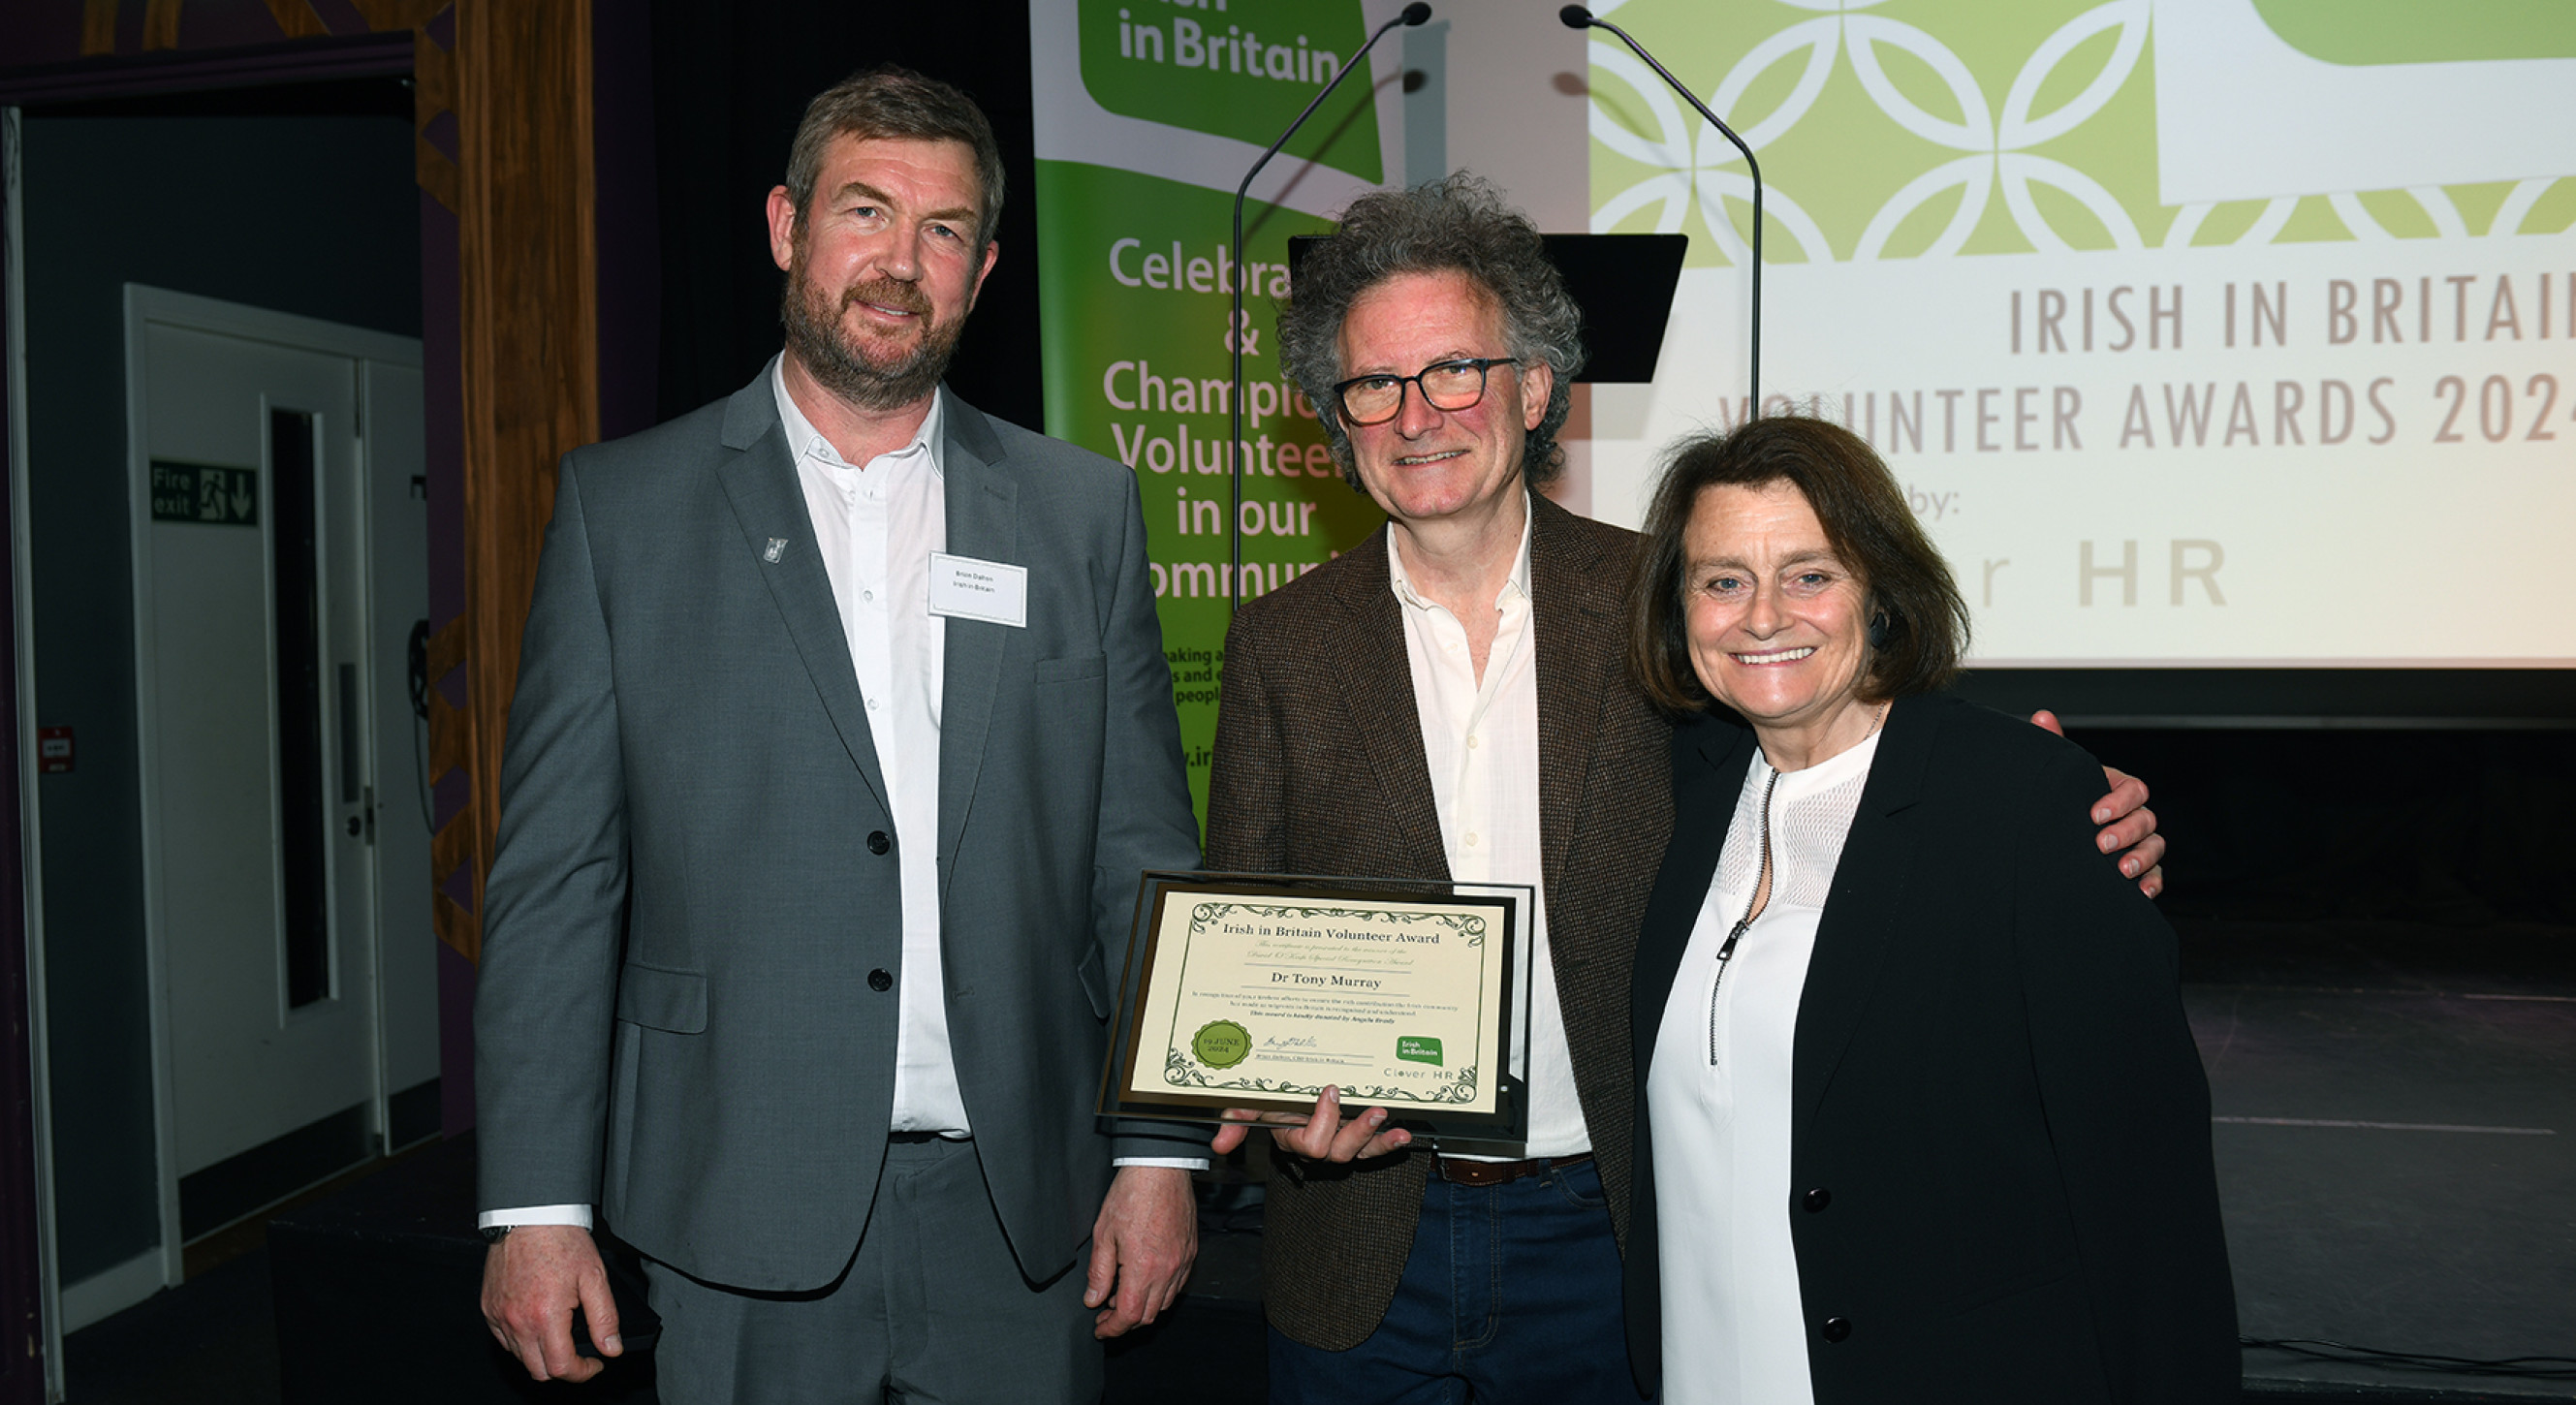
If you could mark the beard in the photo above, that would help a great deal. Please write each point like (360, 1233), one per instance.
(838, 360)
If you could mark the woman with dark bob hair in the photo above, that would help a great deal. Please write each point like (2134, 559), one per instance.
(1919, 1116)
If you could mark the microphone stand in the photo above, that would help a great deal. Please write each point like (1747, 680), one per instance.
(1577, 17)
(1412, 14)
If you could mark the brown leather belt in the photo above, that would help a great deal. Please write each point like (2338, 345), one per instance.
(1458, 1170)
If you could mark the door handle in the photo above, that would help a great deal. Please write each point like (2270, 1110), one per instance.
(353, 761)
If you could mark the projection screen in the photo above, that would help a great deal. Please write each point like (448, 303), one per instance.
(2202, 333)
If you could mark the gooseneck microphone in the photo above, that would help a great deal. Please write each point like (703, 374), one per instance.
(1577, 17)
(1413, 14)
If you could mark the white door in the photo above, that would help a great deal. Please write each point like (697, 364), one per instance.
(286, 1020)
(390, 442)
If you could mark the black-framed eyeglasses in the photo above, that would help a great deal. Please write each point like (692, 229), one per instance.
(1446, 385)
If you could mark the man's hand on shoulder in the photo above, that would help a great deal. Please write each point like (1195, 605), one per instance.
(1141, 1247)
(2126, 821)
(532, 1280)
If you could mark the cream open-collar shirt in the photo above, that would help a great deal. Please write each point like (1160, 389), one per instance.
(1724, 1070)
(1481, 740)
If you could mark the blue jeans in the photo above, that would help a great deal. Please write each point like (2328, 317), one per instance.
(1511, 1294)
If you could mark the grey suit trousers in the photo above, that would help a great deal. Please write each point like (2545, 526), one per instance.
(931, 1309)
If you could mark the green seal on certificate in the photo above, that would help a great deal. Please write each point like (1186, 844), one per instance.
(1221, 1043)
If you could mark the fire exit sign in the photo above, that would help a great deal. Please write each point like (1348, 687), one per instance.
(204, 492)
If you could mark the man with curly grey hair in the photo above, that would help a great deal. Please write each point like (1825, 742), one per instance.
(1459, 224)
(1439, 343)
(1449, 702)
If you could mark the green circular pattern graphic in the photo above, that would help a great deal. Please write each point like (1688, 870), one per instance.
(1221, 1043)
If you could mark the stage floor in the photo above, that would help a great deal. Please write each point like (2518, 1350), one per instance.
(2396, 1142)
(2396, 1153)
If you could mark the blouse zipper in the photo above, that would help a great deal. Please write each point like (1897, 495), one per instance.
(1726, 952)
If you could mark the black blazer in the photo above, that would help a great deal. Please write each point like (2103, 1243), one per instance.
(2000, 1142)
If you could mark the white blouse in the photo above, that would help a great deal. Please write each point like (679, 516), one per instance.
(1719, 1094)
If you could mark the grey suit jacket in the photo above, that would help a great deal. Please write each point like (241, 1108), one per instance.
(1320, 769)
(679, 1016)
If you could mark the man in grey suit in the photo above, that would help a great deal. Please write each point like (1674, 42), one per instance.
(842, 732)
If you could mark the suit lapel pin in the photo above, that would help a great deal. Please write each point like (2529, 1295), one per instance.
(777, 548)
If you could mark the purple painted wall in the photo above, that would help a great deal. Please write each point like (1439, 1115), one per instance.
(443, 448)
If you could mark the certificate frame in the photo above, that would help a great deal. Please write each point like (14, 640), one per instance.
(1195, 936)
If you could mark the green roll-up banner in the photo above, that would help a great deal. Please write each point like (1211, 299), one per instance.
(1148, 114)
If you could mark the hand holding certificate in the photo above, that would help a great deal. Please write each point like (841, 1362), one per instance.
(1322, 1135)
(1259, 993)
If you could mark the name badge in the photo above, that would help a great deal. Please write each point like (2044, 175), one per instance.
(963, 588)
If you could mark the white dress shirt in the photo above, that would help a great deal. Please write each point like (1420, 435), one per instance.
(876, 526)
(1719, 1092)
(1481, 740)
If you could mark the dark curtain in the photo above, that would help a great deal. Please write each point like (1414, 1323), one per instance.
(2455, 828)
(729, 83)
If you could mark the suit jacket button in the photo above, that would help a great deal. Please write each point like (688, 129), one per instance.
(878, 844)
(880, 979)
(1837, 1328)
(1818, 1199)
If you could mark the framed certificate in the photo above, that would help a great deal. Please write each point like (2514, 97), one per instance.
(1259, 990)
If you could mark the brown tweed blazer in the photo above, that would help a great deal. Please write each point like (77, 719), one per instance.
(1319, 768)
